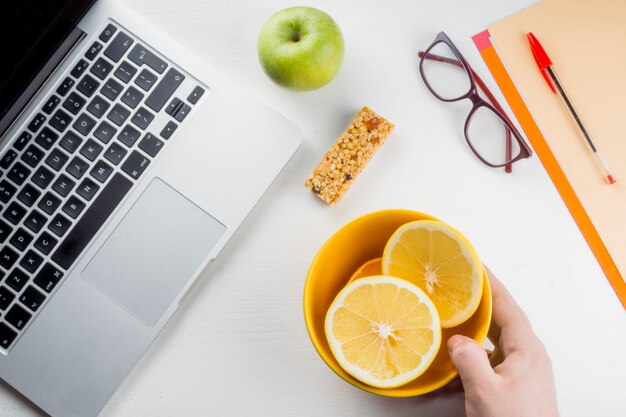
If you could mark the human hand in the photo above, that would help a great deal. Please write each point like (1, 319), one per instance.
(516, 379)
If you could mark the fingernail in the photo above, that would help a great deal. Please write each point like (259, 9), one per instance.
(456, 340)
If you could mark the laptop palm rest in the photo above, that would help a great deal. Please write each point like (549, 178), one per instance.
(153, 252)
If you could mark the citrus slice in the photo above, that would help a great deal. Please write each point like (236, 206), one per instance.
(368, 269)
(384, 331)
(442, 262)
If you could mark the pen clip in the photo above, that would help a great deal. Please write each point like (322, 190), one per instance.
(548, 80)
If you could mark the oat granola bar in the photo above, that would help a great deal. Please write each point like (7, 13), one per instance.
(348, 156)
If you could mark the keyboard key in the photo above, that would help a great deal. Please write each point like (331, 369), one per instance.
(116, 50)
(105, 132)
(31, 261)
(164, 90)
(63, 185)
(73, 207)
(35, 221)
(6, 191)
(79, 69)
(43, 177)
(60, 121)
(77, 167)
(128, 136)
(73, 103)
(17, 279)
(115, 153)
(84, 124)
(87, 189)
(101, 68)
(65, 86)
(37, 122)
(7, 336)
(29, 195)
(22, 141)
(140, 55)
(91, 149)
(174, 105)
(132, 97)
(32, 298)
(8, 257)
(49, 203)
(142, 118)
(101, 171)
(107, 33)
(5, 231)
(70, 142)
(118, 114)
(93, 50)
(14, 213)
(8, 159)
(47, 137)
(125, 71)
(182, 112)
(51, 104)
(195, 95)
(88, 85)
(18, 173)
(59, 225)
(56, 159)
(146, 80)
(48, 277)
(135, 164)
(21, 239)
(18, 316)
(6, 298)
(150, 144)
(98, 106)
(45, 242)
(32, 156)
(91, 221)
(111, 89)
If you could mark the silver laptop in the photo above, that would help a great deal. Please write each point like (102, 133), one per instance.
(126, 164)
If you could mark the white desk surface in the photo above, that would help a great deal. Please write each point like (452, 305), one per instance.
(240, 347)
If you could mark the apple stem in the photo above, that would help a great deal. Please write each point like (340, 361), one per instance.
(296, 37)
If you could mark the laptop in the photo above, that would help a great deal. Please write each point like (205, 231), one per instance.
(126, 164)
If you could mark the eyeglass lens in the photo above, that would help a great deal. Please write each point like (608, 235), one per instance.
(446, 80)
(486, 134)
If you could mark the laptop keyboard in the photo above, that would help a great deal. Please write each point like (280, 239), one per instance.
(93, 137)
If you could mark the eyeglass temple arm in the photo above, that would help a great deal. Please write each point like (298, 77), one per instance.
(487, 92)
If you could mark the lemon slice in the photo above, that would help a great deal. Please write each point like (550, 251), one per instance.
(384, 331)
(442, 262)
(368, 269)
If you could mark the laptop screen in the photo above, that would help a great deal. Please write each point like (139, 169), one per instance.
(31, 31)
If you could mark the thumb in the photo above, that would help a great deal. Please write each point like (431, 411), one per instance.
(471, 360)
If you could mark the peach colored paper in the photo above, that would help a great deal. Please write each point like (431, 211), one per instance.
(585, 40)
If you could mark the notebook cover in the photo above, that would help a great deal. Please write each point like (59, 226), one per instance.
(598, 209)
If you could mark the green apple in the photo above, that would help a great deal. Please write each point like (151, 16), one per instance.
(300, 48)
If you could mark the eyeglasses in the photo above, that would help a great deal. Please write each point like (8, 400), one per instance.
(488, 129)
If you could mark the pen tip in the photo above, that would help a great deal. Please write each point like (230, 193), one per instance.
(611, 179)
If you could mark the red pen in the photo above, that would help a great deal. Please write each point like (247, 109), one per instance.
(547, 70)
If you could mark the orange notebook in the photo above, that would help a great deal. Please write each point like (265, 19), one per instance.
(583, 38)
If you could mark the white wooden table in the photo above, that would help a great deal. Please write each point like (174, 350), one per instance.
(240, 348)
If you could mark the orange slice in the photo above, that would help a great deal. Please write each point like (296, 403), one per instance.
(384, 331)
(368, 269)
(442, 262)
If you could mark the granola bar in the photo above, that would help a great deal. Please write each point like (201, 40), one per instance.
(348, 156)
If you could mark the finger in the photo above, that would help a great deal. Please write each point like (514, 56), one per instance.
(470, 359)
(511, 329)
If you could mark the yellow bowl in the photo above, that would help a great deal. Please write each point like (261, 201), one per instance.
(355, 243)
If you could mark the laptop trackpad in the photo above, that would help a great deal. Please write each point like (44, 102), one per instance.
(153, 252)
